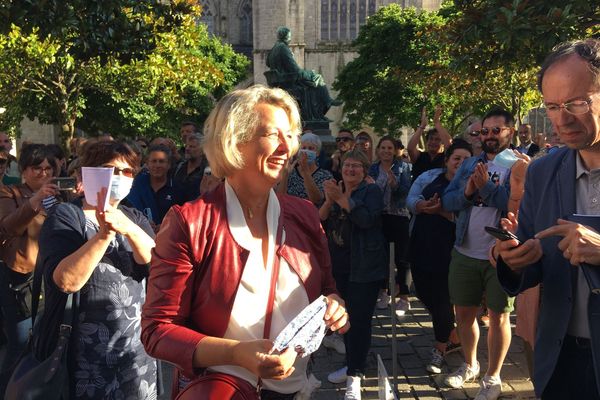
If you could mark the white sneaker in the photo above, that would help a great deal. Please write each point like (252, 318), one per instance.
(490, 388)
(437, 360)
(338, 376)
(335, 342)
(352, 388)
(383, 300)
(402, 306)
(462, 375)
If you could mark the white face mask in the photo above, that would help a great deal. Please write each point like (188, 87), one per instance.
(120, 187)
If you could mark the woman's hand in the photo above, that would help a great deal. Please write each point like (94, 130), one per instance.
(336, 317)
(47, 189)
(303, 166)
(391, 179)
(333, 190)
(254, 356)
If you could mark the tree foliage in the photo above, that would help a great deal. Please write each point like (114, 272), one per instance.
(127, 67)
(468, 56)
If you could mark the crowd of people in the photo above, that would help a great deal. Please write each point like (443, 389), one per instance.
(206, 252)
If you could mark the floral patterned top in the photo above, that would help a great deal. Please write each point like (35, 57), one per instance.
(106, 357)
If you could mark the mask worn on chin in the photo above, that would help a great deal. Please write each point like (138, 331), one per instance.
(120, 187)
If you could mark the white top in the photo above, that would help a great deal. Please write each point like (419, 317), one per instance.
(248, 313)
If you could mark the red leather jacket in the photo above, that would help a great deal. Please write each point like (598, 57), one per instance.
(197, 266)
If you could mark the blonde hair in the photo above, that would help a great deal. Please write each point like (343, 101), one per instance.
(234, 121)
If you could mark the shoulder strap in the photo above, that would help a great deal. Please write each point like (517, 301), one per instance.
(274, 276)
(36, 289)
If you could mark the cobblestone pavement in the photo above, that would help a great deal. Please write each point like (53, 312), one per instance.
(415, 336)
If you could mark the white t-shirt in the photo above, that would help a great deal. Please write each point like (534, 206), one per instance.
(477, 241)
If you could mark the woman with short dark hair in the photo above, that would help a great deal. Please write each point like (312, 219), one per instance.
(103, 255)
(22, 214)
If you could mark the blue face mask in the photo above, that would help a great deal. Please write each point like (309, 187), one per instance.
(311, 156)
(120, 187)
(505, 158)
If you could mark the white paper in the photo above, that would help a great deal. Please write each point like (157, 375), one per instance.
(94, 179)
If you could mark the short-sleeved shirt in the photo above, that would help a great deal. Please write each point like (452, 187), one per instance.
(106, 356)
(424, 163)
(296, 182)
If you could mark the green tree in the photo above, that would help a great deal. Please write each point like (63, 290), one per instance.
(386, 86)
(519, 33)
(135, 62)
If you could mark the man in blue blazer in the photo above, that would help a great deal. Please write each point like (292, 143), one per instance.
(559, 185)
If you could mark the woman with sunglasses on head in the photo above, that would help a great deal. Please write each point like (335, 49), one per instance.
(103, 255)
(21, 216)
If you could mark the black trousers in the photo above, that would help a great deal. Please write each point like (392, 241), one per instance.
(432, 290)
(360, 301)
(573, 376)
(395, 229)
(269, 395)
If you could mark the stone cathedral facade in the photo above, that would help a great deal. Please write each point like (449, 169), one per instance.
(322, 31)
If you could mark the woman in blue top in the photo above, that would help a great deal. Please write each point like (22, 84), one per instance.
(392, 175)
(432, 238)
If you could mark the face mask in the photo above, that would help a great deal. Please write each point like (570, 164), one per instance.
(120, 187)
(506, 158)
(311, 156)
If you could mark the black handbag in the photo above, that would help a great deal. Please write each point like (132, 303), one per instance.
(48, 379)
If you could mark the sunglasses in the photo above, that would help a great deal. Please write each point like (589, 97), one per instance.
(128, 172)
(485, 131)
(343, 139)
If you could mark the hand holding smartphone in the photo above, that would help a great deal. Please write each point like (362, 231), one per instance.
(66, 183)
(501, 234)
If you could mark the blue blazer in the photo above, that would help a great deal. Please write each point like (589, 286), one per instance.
(549, 195)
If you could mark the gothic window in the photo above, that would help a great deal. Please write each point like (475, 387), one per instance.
(245, 15)
(352, 23)
(333, 29)
(371, 7)
(325, 20)
(342, 19)
(207, 18)
(362, 12)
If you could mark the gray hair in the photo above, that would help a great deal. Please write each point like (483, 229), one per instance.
(587, 49)
(309, 137)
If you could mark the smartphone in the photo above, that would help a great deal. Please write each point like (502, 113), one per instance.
(65, 183)
(501, 234)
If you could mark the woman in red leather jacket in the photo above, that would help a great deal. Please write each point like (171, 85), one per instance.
(210, 274)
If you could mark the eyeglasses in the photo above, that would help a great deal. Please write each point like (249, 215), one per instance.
(128, 172)
(352, 165)
(575, 107)
(485, 131)
(343, 139)
(39, 170)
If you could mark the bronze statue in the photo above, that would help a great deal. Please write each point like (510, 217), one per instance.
(306, 86)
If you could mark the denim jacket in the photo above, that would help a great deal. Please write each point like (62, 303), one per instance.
(401, 171)
(454, 199)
